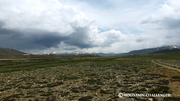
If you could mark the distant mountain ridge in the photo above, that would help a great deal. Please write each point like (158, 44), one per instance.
(167, 51)
(157, 50)
(99, 54)
(7, 51)
(151, 50)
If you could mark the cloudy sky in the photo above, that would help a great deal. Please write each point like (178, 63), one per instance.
(59, 26)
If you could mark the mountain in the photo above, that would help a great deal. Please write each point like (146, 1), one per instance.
(151, 50)
(7, 51)
(99, 54)
(167, 51)
(107, 54)
(155, 50)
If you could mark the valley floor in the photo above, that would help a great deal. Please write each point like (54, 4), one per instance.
(97, 79)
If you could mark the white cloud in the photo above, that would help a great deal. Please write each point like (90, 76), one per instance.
(49, 15)
(74, 25)
(109, 37)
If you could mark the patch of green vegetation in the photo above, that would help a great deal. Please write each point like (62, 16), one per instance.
(54, 84)
(93, 88)
(176, 77)
(12, 97)
(160, 89)
(95, 81)
(164, 82)
(10, 66)
(106, 91)
(91, 75)
(171, 99)
(139, 90)
(86, 98)
(75, 90)
(154, 56)
(63, 93)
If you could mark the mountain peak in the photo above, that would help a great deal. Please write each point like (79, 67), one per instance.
(173, 47)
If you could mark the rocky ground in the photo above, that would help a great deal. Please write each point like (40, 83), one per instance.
(91, 81)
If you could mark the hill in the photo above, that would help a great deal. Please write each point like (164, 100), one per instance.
(166, 51)
(151, 50)
(7, 51)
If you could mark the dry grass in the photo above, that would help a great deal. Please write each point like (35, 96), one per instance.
(97, 79)
(173, 84)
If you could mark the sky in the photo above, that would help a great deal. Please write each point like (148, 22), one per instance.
(88, 26)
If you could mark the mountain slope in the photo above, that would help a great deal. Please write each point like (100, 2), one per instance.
(167, 51)
(150, 50)
(7, 51)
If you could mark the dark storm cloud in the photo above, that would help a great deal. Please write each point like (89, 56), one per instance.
(37, 39)
(45, 39)
(79, 38)
(12, 34)
(27, 39)
(48, 40)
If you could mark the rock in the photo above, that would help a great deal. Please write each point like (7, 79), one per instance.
(150, 99)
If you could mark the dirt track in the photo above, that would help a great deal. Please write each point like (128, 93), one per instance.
(165, 65)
